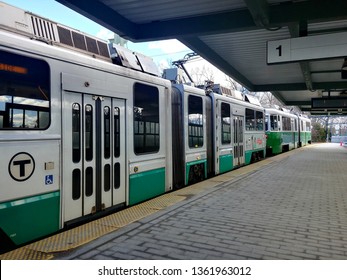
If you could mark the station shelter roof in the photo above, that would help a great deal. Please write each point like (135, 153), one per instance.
(233, 35)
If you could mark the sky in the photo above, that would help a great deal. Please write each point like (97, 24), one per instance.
(162, 52)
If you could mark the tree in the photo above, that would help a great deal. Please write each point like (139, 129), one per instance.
(318, 132)
(202, 74)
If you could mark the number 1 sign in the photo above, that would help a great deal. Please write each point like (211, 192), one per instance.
(278, 51)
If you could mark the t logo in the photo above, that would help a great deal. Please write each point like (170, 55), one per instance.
(21, 166)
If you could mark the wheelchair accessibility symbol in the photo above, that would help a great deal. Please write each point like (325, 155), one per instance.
(49, 179)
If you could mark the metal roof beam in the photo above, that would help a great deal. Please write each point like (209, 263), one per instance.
(301, 86)
(103, 15)
(300, 30)
(298, 103)
(260, 12)
(312, 10)
(230, 21)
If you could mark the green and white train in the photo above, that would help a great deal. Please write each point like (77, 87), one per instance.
(88, 128)
(286, 131)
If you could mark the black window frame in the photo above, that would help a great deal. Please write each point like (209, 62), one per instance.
(146, 123)
(259, 120)
(225, 123)
(195, 121)
(250, 119)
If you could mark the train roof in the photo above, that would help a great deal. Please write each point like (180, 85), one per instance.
(35, 27)
(282, 112)
(232, 100)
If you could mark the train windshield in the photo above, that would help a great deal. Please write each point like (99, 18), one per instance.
(24, 92)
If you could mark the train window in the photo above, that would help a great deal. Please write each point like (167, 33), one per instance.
(259, 117)
(250, 119)
(274, 122)
(89, 132)
(308, 126)
(76, 132)
(146, 119)
(107, 133)
(116, 128)
(226, 125)
(24, 92)
(286, 124)
(195, 122)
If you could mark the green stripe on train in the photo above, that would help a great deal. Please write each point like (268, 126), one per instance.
(274, 142)
(145, 185)
(30, 218)
(225, 163)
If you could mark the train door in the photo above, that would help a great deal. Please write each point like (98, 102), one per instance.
(239, 154)
(94, 154)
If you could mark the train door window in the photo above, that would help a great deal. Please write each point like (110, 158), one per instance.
(117, 175)
(274, 122)
(195, 122)
(76, 132)
(259, 117)
(107, 133)
(89, 181)
(24, 92)
(76, 184)
(116, 129)
(250, 119)
(89, 132)
(226, 125)
(308, 126)
(146, 119)
(107, 177)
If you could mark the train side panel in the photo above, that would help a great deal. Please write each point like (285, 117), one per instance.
(149, 142)
(30, 147)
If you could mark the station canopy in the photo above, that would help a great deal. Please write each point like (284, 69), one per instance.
(295, 49)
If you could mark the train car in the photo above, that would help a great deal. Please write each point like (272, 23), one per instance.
(239, 134)
(305, 130)
(282, 131)
(286, 131)
(79, 135)
(213, 133)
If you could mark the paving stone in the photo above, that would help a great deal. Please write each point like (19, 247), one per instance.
(294, 208)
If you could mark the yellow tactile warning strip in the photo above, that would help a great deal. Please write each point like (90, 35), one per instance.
(67, 240)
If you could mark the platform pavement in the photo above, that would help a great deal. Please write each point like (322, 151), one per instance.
(295, 208)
